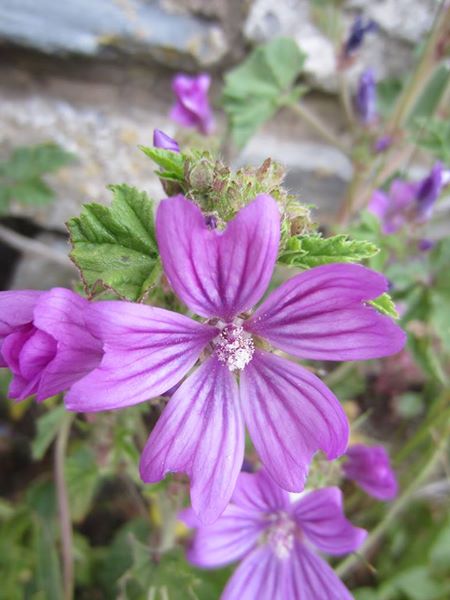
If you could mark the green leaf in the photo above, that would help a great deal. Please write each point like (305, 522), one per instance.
(82, 478)
(32, 191)
(385, 305)
(47, 428)
(311, 251)
(115, 247)
(255, 89)
(433, 135)
(34, 161)
(429, 100)
(171, 163)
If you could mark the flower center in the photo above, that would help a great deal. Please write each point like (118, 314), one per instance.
(234, 347)
(281, 533)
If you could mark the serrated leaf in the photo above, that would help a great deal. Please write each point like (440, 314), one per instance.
(171, 163)
(47, 428)
(115, 247)
(255, 89)
(385, 305)
(311, 251)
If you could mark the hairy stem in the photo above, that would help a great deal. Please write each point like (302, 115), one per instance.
(346, 567)
(26, 244)
(315, 123)
(65, 522)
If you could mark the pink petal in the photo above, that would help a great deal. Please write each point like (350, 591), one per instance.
(320, 516)
(290, 414)
(61, 314)
(311, 578)
(258, 492)
(370, 468)
(201, 433)
(321, 314)
(379, 204)
(16, 310)
(232, 536)
(218, 273)
(147, 351)
(260, 576)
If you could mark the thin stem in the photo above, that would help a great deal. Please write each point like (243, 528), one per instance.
(26, 244)
(423, 72)
(348, 565)
(315, 123)
(65, 522)
(345, 97)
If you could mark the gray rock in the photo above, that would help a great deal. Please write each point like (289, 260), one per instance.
(389, 52)
(103, 26)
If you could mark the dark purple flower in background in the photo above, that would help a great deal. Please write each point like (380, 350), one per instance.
(220, 275)
(191, 108)
(278, 542)
(44, 341)
(360, 28)
(428, 191)
(383, 143)
(162, 140)
(425, 245)
(366, 97)
(370, 468)
(407, 201)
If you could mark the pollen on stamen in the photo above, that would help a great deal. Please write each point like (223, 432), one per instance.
(234, 347)
(280, 535)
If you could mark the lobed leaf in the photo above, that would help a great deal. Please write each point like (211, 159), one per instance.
(255, 89)
(312, 251)
(115, 247)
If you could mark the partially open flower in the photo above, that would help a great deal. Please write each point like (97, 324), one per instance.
(44, 341)
(191, 108)
(370, 468)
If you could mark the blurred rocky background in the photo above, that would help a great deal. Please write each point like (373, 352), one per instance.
(94, 76)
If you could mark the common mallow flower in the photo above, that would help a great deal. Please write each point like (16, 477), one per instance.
(164, 141)
(360, 28)
(220, 275)
(407, 201)
(370, 468)
(278, 542)
(191, 108)
(366, 97)
(44, 341)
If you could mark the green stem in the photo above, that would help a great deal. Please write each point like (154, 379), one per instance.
(314, 122)
(65, 522)
(345, 97)
(423, 73)
(347, 566)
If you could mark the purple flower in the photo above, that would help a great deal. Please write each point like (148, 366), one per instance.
(366, 97)
(382, 143)
(358, 32)
(191, 108)
(407, 201)
(425, 245)
(428, 191)
(44, 342)
(277, 541)
(162, 140)
(370, 468)
(220, 275)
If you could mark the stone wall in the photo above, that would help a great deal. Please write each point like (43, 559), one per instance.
(94, 76)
